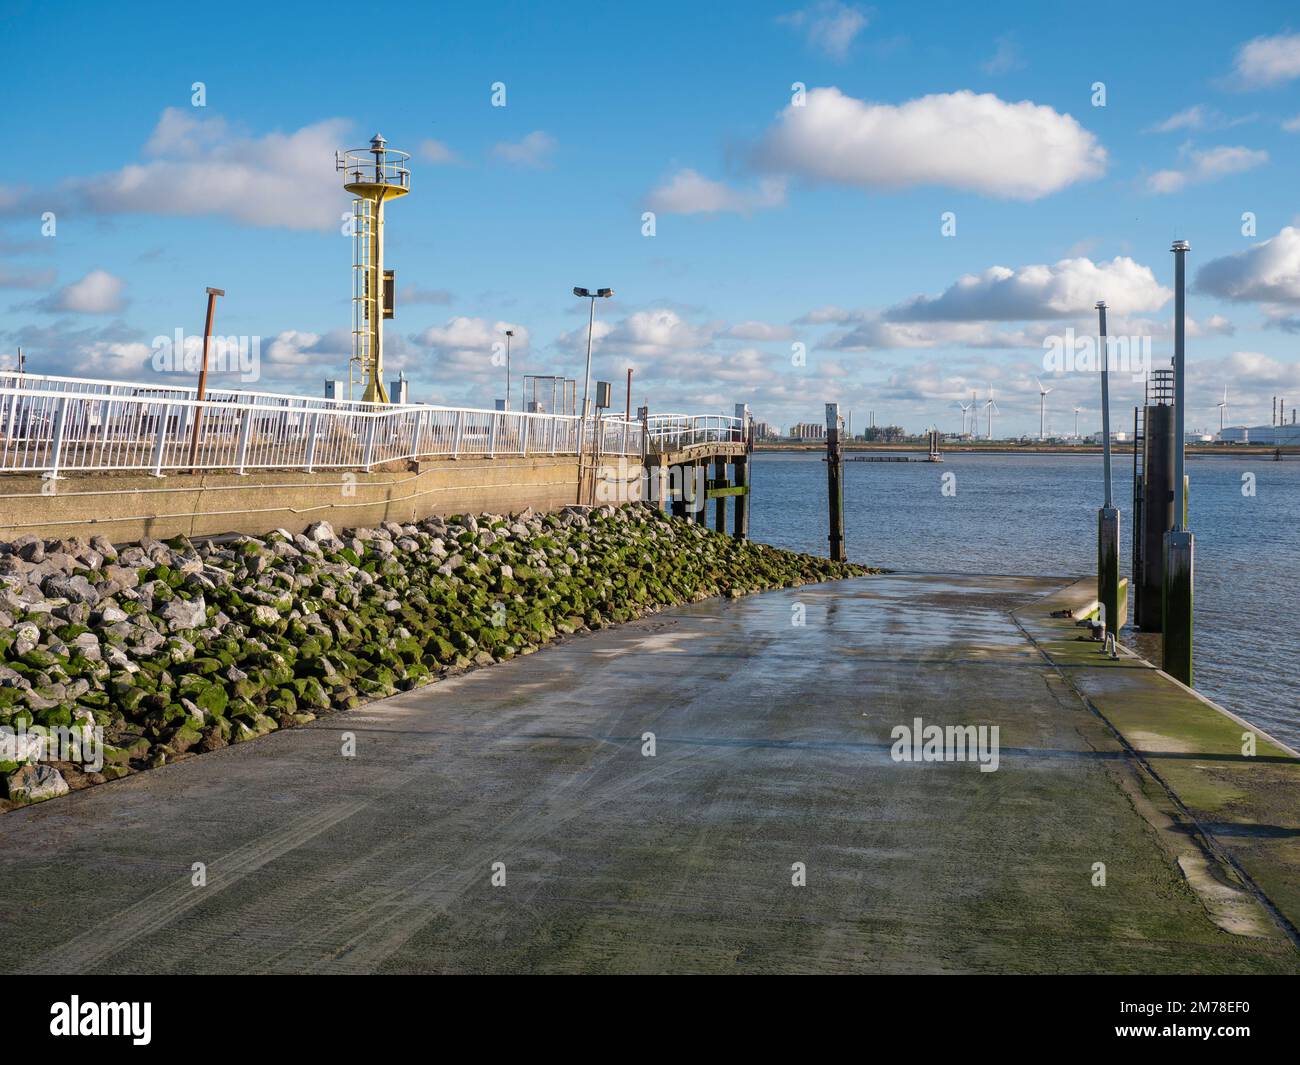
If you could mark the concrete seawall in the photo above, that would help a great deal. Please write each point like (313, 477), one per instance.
(125, 506)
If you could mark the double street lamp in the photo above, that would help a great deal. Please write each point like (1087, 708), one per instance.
(587, 294)
(509, 334)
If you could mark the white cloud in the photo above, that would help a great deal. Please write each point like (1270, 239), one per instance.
(688, 192)
(875, 333)
(437, 152)
(1292, 125)
(200, 166)
(1006, 57)
(1268, 61)
(112, 360)
(1268, 272)
(1207, 165)
(962, 140)
(1200, 117)
(646, 333)
(535, 150)
(1064, 289)
(829, 26)
(21, 278)
(830, 313)
(99, 292)
(1190, 118)
(465, 345)
(760, 331)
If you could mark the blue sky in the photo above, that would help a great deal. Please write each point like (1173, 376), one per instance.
(776, 223)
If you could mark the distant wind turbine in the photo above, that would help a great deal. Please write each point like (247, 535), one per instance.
(965, 407)
(1076, 422)
(992, 407)
(1042, 408)
(1223, 409)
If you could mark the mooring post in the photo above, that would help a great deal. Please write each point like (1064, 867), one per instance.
(1176, 600)
(835, 481)
(1108, 515)
(740, 514)
(677, 490)
(720, 504)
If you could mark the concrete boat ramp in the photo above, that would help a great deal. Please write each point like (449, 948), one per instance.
(513, 819)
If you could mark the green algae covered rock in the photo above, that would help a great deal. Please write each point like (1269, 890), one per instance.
(180, 648)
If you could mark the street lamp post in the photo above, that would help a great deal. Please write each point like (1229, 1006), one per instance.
(1180, 547)
(509, 334)
(587, 294)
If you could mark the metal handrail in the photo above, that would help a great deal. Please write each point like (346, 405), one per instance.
(49, 431)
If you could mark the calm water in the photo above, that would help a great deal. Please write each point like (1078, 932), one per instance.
(1037, 514)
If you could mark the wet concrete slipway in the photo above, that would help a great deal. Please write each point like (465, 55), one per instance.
(772, 748)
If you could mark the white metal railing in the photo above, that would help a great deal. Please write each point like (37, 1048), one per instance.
(52, 424)
(95, 386)
(43, 431)
(670, 432)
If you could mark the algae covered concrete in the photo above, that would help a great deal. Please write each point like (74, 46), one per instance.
(646, 798)
(1239, 787)
(124, 506)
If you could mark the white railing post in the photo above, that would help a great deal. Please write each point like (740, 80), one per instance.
(523, 435)
(160, 442)
(60, 419)
(492, 435)
(460, 429)
(368, 457)
(245, 431)
(311, 441)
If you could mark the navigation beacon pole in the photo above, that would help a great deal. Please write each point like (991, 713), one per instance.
(373, 181)
(1108, 516)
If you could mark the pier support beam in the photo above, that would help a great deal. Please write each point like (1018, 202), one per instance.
(1176, 659)
(740, 515)
(720, 504)
(1108, 568)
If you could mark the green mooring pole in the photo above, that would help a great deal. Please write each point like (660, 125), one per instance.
(1176, 598)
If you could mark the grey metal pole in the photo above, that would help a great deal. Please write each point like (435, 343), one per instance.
(586, 385)
(1104, 354)
(509, 334)
(1177, 628)
(586, 381)
(1179, 249)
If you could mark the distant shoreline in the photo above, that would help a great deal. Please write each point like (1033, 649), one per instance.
(1124, 447)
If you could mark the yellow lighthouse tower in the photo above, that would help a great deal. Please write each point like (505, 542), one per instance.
(374, 176)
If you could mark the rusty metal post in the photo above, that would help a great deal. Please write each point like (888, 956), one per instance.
(213, 293)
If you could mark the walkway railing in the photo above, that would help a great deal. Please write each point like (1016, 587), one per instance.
(54, 431)
(672, 432)
(54, 424)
